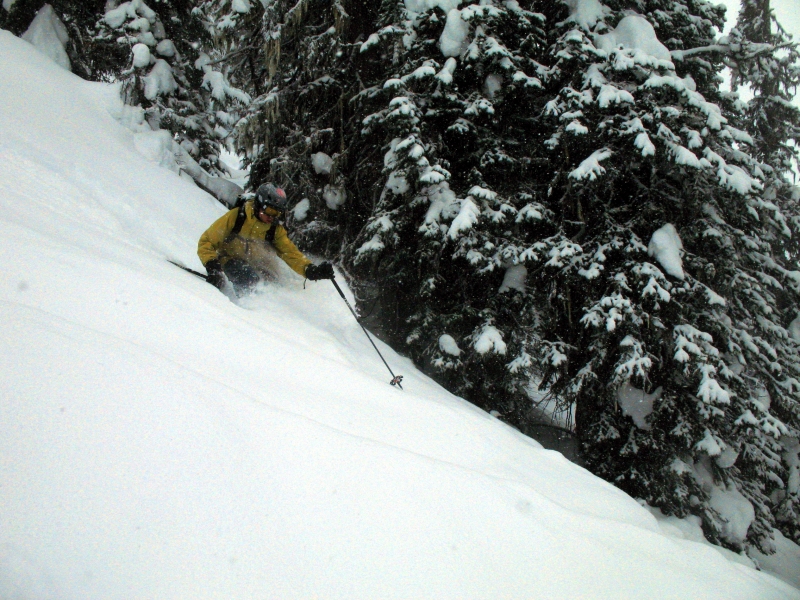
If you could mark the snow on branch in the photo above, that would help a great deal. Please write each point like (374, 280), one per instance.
(116, 17)
(591, 168)
(489, 340)
(466, 218)
(710, 391)
(666, 247)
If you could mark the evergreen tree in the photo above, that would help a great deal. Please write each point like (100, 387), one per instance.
(457, 205)
(773, 77)
(774, 123)
(298, 62)
(160, 55)
(170, 76)
(664, 270)
(91, 58)
(556, 194)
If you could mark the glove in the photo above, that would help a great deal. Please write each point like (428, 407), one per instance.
(323, 271)
(215, 275)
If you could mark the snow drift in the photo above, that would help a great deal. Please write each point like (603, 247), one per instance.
(158, 441)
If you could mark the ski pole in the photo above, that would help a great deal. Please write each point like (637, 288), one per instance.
(188, 270)
(396, 379)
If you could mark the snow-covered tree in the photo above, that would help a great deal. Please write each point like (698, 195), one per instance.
(773, 78)
(663, 270)
(457, 201)
(298, 62)
(554, 194)
(774, 124)
(169, 74)
(567, 141)
(160, 54)
(76, 25)
(381, 122)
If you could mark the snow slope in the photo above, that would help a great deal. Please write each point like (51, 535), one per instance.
(159, 441)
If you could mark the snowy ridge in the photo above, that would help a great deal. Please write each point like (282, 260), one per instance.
(159, 441)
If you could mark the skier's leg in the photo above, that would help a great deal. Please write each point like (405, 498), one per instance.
(243, 277)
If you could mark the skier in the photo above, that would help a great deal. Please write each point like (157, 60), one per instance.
(239, 245)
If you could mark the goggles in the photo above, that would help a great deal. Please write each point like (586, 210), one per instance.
(271, 212)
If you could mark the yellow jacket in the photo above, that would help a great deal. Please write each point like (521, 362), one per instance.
(249, 244)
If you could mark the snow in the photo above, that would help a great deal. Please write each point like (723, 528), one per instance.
(160, 441)
(791, 446)
(645, 144)
(637, 404)
(225, 190)
(115, 17)
(585, 12)
(710, 391)
(390, 158)
(374, 244)
(446, 74)
(634, 32)
(322, 163)
(134, 9)
(729, 503)
(334, 196)
(382, 224)
(397, 183)
(731, 176)
(141, 55)
(467, 216)
(147, 37)
(301, 209)
(577, 128)
(530, 212)
(423, 72)
(421, 6)
(220, 88)
(735, 178)
(590, 168)
(666, 247)
(612, 95)
(166, 48)
(241, 6)
(684, 156)
(691, 528)
(141, 25)
(514, 279)
(158, 147)
(784, 562)
(453, 41)
(483, 193)
(443, 205)
(48, 35)
(490, 340)
(159, 82)
(726, 458)
(492, 84)
(448, 345)
(709, 445)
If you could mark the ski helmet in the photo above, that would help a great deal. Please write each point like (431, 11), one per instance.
(269, 196)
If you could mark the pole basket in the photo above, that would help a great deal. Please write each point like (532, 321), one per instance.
(396, 379)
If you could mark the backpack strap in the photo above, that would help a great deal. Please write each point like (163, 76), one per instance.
(237, 226)
(270, 235)
(240, 219)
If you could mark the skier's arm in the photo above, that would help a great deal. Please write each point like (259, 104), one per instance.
(213, 238)
(289, 252)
